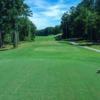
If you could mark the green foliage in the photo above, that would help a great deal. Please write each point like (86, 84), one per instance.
(26, 29)
(49, 31)
(82, 21)
(12, 12)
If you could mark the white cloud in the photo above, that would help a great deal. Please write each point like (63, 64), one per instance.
(41, 21)
(52, 13)
(47, 14)
(55, 11)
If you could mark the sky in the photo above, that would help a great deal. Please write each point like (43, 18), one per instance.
(48, 13)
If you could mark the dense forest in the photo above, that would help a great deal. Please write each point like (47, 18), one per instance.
(14, 22)
(82, 21)
(49, 31)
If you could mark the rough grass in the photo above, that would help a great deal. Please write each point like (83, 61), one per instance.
(89, 44)
(96, 46)
(49, 70)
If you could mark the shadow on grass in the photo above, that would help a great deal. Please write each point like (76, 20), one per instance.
(98, 72)
(6, 49)
(78, 41)
(88, 44)
(58, 37)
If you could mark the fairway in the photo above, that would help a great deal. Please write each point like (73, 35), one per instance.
(49, 70)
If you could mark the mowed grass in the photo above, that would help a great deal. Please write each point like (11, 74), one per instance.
(49, 70)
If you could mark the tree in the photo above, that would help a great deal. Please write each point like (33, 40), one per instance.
(26, 29)
(97, 6)
(11, 14)
(65, 25)
(2, 18)
(83, 21)
(57, 29)
(49, 31)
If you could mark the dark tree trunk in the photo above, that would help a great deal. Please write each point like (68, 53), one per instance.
(14, 36)
(1, 39)
(65, 33)
(15, 40)
(94, 37)
(64, 36)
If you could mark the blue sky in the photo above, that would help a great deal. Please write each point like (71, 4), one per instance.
(48, 12)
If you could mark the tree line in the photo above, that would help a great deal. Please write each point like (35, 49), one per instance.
(49, 31)
(82, 21)
(14, 22)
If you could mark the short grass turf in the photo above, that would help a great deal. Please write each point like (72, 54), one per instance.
(49, 70)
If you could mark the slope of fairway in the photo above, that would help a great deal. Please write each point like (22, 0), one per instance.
(49, 70)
